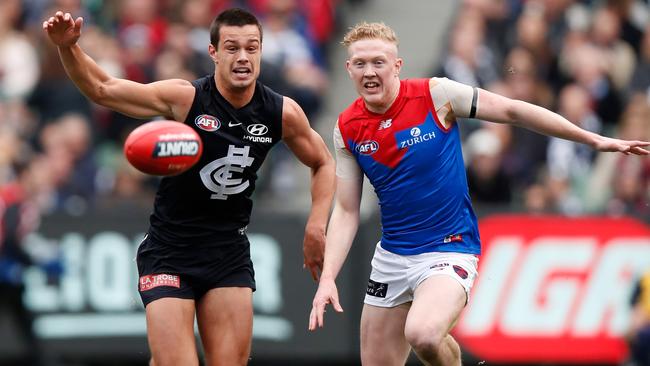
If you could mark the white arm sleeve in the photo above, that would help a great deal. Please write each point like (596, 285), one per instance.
(346, 164)
(447, 94)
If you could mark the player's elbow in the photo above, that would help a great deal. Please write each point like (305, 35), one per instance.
(328, 160)
(350, 216)
(324, 166)
(329, 165)
(101, 94)
(514, 111)
(324, 158)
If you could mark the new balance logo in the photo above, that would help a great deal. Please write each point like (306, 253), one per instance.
(385, 124)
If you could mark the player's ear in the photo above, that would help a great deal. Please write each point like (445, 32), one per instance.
(347, 67)
(398, 66)
(212, 51)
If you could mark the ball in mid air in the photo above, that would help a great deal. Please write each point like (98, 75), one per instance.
(163, 148)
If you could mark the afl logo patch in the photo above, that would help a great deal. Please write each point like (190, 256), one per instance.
(207, 122)
(367, 147)
(257, 129)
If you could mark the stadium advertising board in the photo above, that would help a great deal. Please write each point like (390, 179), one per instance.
(550, 290)
(94, 301)
(554, 290)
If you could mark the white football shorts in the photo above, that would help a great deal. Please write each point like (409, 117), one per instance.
(395, 277)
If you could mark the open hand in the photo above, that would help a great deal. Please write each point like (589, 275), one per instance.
(62, 29)
(626, 147)
(326, 294)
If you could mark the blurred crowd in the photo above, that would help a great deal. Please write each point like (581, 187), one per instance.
(588, 61)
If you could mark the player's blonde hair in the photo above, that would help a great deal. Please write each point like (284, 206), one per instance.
(369, 31)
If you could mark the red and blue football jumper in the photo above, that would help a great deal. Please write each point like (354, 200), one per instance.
(416, 167)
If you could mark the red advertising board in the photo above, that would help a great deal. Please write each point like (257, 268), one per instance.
(554, 289)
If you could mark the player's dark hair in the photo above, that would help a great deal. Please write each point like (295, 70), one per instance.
(232, 17)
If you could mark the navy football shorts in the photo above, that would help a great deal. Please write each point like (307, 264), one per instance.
(189, 272)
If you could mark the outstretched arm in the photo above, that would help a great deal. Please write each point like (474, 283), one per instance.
(497, 108)
(310, 149)
(340, 234)
(169, 98)
(343, 226)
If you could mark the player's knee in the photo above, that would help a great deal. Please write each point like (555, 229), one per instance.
(425, 340)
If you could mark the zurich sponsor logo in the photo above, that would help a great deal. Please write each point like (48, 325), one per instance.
(367, 147)
(417, 136)
(207, 122)
(257, 129)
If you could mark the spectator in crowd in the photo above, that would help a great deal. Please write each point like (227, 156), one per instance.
(289, 52)
(557, 16)
(499, 17)
(588, 67)
(187, 38)
(142, 32)
(621, 185)
(640, 82)
(531, 33)
(468, 60)
(19, 216)
(19, 70)
(619, 55)
(631, 14)
(54, 94)
(569, 164)
(67, 144)
(527, 149)
(320, 16)
(486, 178)
(536, 200)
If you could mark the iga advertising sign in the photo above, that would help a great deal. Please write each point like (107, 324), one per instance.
(554, 289)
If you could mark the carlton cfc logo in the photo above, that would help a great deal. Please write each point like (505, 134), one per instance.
(367, 147)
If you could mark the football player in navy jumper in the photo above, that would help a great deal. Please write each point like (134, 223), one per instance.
(195, 259)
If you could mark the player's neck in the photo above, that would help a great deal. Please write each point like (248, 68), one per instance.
(236, 96)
